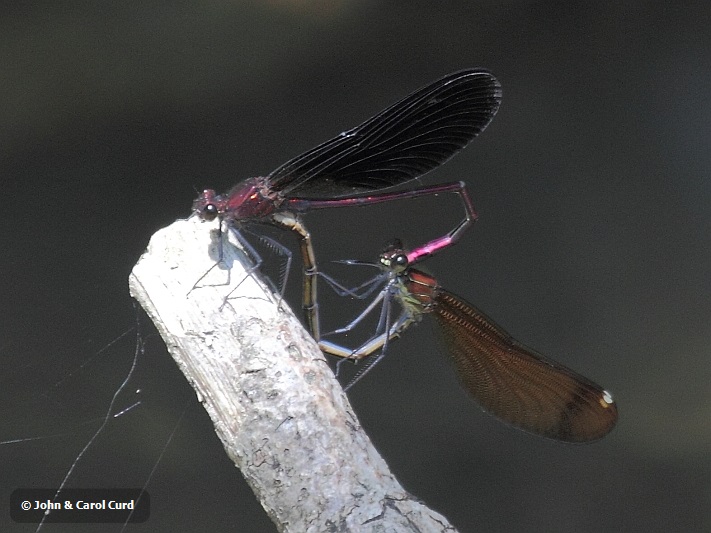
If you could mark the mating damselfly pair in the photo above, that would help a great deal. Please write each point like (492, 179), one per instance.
(400, 144)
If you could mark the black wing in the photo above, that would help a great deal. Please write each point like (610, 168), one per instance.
(398, 144)
(518, 385)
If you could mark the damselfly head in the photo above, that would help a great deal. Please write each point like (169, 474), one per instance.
(205, 205)
(394, 258)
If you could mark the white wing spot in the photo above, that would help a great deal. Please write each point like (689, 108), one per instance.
(607, 398)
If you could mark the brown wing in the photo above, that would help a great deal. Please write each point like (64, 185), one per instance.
(518, 385)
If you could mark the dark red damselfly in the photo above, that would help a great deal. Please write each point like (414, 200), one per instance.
(397, 145)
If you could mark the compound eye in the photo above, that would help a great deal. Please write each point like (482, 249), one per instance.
(400, 261)
(209, 212)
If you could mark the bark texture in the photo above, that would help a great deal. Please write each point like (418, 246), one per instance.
(275, 404)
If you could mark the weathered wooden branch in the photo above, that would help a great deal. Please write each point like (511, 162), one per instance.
(275, 404)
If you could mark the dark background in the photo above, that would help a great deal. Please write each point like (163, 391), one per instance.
(592, 185)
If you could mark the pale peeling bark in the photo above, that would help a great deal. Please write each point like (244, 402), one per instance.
(275, 404)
